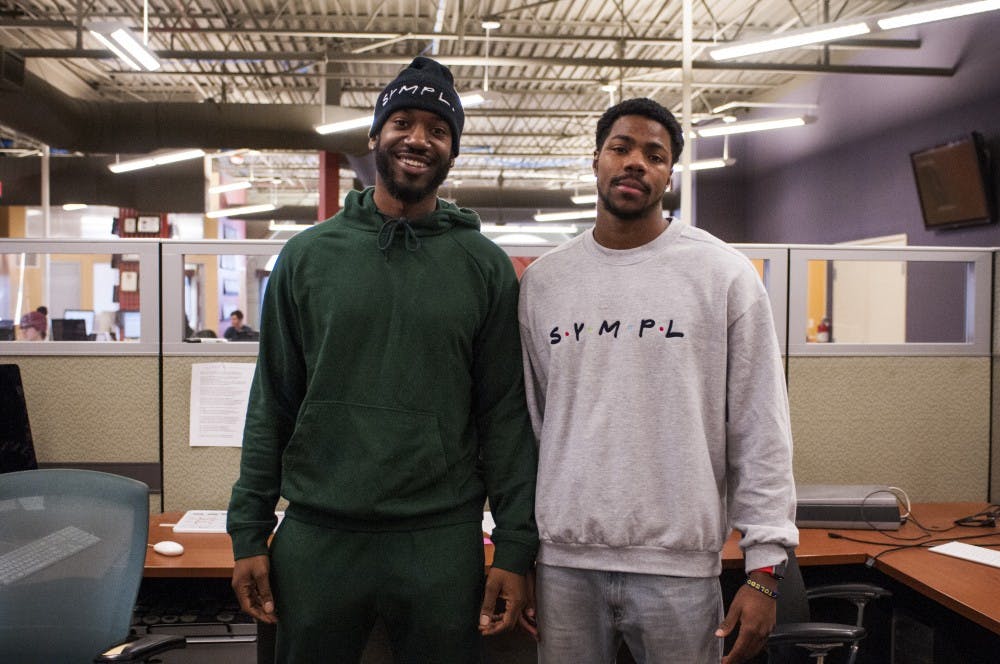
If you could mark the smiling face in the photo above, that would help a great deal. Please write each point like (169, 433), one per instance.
(412, 159)
(633, 169)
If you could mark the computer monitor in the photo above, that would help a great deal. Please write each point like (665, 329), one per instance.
(69, 329)
(130, 324)
(17, 452)
(85, 314)
(6, 330)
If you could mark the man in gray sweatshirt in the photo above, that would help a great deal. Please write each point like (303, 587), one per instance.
(657, 394)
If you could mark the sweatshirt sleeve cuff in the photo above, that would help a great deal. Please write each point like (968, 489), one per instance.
(513, 557)
(249, 542)
(764, 555)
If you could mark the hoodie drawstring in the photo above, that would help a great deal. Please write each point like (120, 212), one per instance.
(387, 234)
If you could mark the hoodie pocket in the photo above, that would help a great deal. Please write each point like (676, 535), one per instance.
(368, 461)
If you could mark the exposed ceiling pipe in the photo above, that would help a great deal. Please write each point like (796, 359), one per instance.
(48, 115)
(504, 61)
(511, 38)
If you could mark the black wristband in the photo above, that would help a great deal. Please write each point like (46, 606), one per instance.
(761, 588)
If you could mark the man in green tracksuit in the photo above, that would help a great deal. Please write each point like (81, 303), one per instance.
(386, 405)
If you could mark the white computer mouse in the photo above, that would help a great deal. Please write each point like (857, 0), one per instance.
(168, 548)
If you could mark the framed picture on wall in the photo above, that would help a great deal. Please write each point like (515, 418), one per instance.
(128, 225)
(231, 286)
(227, 261)
(129, 282)
(148, 223)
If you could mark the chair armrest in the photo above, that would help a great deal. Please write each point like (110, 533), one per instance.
(142, 648)
(852, 592)
(814, 633)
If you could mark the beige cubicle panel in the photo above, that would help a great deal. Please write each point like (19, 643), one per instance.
(92, 409)
(917, 423)
(995, 411)
(193, 477)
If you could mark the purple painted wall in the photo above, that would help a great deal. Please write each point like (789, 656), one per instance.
(848, 175)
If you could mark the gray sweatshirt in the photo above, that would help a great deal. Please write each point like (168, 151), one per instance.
(657, 394)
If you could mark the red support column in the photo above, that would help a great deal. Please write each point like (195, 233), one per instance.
(329, 185)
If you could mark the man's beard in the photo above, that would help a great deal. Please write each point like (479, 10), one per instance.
(623, 214)
(403, 191)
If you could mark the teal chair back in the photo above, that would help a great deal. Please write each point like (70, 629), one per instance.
(86, 532)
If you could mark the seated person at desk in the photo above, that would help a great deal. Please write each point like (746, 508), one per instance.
(34, 326)
(238, 331)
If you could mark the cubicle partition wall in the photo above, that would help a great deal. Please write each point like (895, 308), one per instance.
(888, 352)
(93, 403)
(900, 395)
(207, 280)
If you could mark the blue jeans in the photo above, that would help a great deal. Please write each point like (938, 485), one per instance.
(583, 616)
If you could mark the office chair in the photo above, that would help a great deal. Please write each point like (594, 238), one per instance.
(72, 550)
(796, 638)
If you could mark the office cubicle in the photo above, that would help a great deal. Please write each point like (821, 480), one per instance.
(899, 395)
(204, 281)
(911, 410)
(93, 402)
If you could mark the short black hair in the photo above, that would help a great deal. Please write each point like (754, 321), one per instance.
(647, 108)
(237, 313)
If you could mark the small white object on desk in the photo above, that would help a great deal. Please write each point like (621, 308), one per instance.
(207, 521)
(168, 548)
(977, 554)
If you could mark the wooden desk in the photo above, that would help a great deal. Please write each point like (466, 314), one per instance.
(205, 554)
(967, 588)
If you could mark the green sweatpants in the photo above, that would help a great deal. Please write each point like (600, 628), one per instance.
(330, 585)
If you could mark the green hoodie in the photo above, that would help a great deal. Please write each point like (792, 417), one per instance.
(388, 393)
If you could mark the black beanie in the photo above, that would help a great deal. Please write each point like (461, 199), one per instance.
(426, 85)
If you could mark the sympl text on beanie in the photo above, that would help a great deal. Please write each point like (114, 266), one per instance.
(426, 85)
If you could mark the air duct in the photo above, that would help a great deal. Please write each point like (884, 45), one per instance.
(46, 114)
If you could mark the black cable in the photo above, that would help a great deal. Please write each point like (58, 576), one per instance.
(985, 519)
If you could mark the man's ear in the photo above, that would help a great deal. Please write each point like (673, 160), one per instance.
(371, 142)
(451, 163)
(594, 163)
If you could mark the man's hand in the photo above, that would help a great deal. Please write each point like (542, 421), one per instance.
(754, 612)
(251, 582)
(505, 586)
(528, 619)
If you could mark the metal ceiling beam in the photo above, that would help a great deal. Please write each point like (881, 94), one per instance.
(495, 38)
(506, 61)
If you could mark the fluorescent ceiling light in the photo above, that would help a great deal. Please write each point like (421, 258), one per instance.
(565, 216)
(230, 186)
(469, 100)
(119, 40)
(345, 125)
(705, 164)
(790, 40)
(759, 104)
(155, 160)
(243, 209)
(565, 229)
(69, 207)
(584, 199)
(939, 12)
(277, 226)
(751, 125)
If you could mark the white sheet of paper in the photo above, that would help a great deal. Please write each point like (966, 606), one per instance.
(219, 393)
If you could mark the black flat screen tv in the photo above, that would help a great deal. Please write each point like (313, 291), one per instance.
(955, 183)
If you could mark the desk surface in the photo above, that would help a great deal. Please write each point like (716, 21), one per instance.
(969, 589)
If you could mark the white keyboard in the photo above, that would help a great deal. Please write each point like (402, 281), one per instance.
(41, 553)
(977, 554)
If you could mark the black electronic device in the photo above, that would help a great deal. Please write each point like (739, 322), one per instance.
(955, 183)
(86, 314)
(872, 507)
(69, 329)
(17, 451)
(6, 330)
